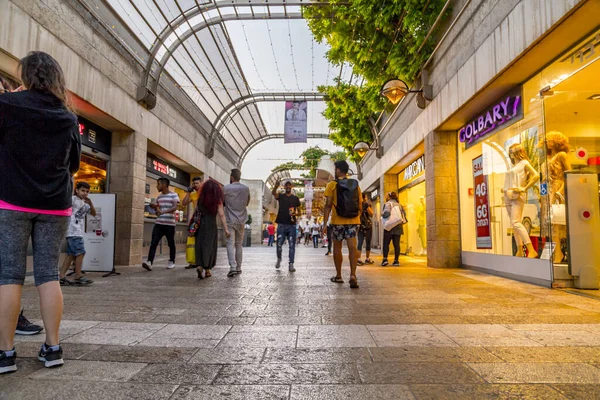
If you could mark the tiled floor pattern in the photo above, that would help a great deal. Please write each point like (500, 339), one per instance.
(409, 332)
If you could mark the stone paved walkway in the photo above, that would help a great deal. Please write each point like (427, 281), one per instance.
(408, 332)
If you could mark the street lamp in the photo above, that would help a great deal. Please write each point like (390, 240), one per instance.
(361, 148)
(396, 89)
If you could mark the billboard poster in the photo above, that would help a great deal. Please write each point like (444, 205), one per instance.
(99, 236)
(482, 205)
(295, 127)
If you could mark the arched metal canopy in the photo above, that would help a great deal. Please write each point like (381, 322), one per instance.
(276, 136)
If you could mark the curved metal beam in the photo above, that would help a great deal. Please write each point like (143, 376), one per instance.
(235, 106)
(276, 136)
(147, 95)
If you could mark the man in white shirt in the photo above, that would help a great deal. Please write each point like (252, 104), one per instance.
(237, 198)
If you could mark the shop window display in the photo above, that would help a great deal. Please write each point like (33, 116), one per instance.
(93, 171)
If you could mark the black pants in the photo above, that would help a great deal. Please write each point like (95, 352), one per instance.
(387, 238)
(157, 234)
(329, 237)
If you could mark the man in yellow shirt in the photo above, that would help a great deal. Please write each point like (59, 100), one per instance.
(344, 200)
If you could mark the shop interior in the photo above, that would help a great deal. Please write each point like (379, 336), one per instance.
(414, 240)
(93, 171)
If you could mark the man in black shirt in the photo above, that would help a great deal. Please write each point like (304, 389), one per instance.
(286, 220)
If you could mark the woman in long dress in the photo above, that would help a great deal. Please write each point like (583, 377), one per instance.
(210, 204)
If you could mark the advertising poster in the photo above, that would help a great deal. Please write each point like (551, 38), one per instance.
(99, 237)
(295, 127)
(482, 205)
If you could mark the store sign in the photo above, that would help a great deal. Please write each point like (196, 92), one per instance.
(94, 136)
(415, 169)
(586, 52)
(99, 237)
(499, 116)
(165, 170)
(482, 205)
(374, 194)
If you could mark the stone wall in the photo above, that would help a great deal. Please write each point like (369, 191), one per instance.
(255, 208)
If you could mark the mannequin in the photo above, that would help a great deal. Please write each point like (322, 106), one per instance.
(519, 179)
(421, 229)
(553, 173)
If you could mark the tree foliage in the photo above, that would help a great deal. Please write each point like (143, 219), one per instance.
(310, 161)
(380, 39)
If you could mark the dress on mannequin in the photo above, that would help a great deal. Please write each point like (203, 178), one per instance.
(519, 179)
(421, 228)
(553, 173)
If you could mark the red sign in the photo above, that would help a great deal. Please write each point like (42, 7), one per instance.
(482, 205)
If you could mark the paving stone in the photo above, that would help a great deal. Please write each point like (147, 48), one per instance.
(406, 373)
(162, 341)
(82, 390)
(236, 321)
(68, 328)
(337, 392)
(187, 319)
(232, 392)
(228, 355)
(289, 320)
(485, 392)
(71, 351)
(284, 374)
(403, 338)
(335, 336)
(496, 341)
(579, 391)
(478, 331)
(547, 354)
(78, 370)
(318, 355)
(204, 332)
(178, 374)
(538, 372)
(263, 328)
(564, 338)
(140, 354)
(131, 326)
(109, 336)
(261, 339)
(428, 354)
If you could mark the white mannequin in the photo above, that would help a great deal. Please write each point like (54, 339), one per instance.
(519, 179)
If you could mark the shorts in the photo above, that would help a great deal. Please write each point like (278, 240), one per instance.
(343, 232)
(75, 246)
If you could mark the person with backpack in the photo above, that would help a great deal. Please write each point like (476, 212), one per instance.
(365, 232)
(393, 218)
(344, 203)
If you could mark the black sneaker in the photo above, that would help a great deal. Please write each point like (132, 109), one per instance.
(8, 364)
(51, 358)
(24, 327)
(396, 264)
(278, 265)
(384, 263)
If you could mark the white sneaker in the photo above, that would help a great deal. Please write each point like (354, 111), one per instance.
(147, 265)
(171, 265)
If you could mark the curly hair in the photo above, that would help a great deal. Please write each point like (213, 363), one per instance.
(557, 141)
(211, 196)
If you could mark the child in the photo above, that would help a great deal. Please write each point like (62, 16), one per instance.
(82, 206)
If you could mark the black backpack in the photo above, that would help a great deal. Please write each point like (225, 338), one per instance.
(347, 198)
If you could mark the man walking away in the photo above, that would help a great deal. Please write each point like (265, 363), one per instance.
(165, 206)
(365, 233)
(237, 198)
(344, 201)
(271, 231)
(82, 206)
(286, 220)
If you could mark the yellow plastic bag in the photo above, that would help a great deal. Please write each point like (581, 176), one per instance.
(190, 250)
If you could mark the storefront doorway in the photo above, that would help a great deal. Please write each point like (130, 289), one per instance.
(411, 194)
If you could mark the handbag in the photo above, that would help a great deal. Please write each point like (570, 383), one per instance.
(194, 223)
(397, 217)
(558, 212)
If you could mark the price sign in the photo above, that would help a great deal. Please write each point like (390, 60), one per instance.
(482, 205)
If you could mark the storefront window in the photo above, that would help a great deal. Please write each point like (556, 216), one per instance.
(571, 102)
(93, 171)
(152, 193)
(411, 194)
(499, 168)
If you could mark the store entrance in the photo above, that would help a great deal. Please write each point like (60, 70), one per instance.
(414, 240)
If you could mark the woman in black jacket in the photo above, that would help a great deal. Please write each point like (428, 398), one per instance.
(40, 148)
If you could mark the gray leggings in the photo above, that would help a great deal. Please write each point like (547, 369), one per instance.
(46, 232)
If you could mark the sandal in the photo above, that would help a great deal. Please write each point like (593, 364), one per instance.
(199, 270)
(335, 279)
(353, 283)
(360, 263)
(207, 273)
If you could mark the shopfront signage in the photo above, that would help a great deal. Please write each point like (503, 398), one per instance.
(500, 115)
(586, 52)
(415, 169)
(374, 194)
(482, 205)
(94, 136)
(165, 170)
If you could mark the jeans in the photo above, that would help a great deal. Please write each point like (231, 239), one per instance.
(315, 241)
(271, 240)
(286, 232)
(157, 234)
(234, 246)
(365, 236)
(387, 238)
(515, 213)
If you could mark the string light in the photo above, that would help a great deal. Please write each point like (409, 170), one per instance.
(253, 59)
(292, 54)
(275, 57)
